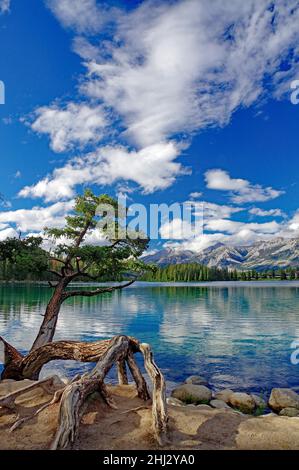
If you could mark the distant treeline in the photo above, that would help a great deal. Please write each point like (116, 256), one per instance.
(197, 272)
(25, 260)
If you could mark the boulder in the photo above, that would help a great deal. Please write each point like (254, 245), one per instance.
(174, 401)
(224, 395)
(204, 407)
(219, 404)
(192, 394)
(281, 398)
(259, 401)
(196, 380)
(243, 402)
(291, 412)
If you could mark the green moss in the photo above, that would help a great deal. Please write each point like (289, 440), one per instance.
(191, 400)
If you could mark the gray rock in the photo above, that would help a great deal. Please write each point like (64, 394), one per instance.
(192, 394)
(259, 401)
(204, 407)
(281, 398)
(291, 412)
(174, 401)
(224, 395)
(243, 402)
(196, 380)
(219, 404)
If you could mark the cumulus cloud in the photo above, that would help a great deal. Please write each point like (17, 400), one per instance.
(151, 168)
(266, 213)
(74, 125)
(212, 210)
(84, 16)
(233, 227)
(176, 229)
(8, 233)
(4, 6)
(169, 69)
(165, 71)
(241, 190)
(218, 226)
(182, 66)
(37, 218)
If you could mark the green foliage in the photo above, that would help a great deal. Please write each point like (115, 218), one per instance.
(22, 259)
(74, 256)
(118, 258)
(195, 272)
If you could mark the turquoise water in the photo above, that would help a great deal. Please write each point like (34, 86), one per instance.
(238, 335)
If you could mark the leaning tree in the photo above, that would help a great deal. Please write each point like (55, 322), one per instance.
(77, 257)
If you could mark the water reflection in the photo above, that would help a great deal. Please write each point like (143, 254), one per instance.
(237, 336)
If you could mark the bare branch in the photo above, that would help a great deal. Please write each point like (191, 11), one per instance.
(10, 353)
(54, 272)
(52, 258)
(92, 293)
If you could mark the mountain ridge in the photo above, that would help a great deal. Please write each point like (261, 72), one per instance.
(266, 254)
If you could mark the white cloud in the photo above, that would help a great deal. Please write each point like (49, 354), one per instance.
(74, 125)
(242, 191)
(81, 15)
(152, 168)
(4, 6)
(212, 210)
(267, 213)
(37, 218)
(8, 233)
(231, 226)
(195, 195)
(176, 229)
(183, 66)
(166, 69)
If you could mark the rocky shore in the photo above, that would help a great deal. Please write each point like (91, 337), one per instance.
(212, 421)
(195, 392)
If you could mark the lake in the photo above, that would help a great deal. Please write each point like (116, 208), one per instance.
(237, 335)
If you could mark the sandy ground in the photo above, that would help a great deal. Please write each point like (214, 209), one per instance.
(129, 427)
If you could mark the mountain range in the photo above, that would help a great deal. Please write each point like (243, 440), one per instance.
(262, 255)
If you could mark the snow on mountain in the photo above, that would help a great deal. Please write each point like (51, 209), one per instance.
(276, 253)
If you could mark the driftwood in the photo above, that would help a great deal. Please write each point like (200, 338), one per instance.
(118, 351)
(159, 408)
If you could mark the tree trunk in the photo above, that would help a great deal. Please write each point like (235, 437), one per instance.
(48, 326)
(119, 351)
(75, 394)
(122, 372)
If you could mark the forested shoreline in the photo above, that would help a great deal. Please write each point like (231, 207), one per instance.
(26, 261)
(200, 273)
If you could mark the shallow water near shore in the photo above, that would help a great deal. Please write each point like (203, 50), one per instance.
(237, 335)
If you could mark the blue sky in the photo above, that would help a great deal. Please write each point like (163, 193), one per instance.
(165, 101)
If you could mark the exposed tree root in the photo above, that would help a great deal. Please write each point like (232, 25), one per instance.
(118, 351)
(20, 421)
(9, 400)
(159, 407)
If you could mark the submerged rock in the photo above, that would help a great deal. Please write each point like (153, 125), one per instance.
(291, 412)
(219, 404)
(224, 395)
(196, 380)
(243, 402)
(192, 394)
(281, 398)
